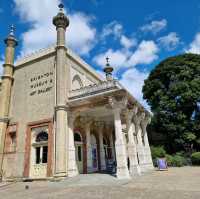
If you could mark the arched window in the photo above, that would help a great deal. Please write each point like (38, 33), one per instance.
(76, 82)
(41, 149)
(42, 137)
(77, 137)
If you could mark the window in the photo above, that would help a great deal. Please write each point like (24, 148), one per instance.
(41, 149)
(13, 141)
(37, 151)
(77, 137)
(41, 137)
(44, 154)
(79, 154)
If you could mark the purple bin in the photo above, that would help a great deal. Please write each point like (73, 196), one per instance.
(162, 164)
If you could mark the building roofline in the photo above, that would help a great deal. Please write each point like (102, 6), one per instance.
(52, 49)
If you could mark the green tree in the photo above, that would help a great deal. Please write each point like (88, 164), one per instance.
(173, 92)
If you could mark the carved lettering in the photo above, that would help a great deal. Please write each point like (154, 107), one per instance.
(41, 83)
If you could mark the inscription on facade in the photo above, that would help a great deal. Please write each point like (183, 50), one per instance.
(41, 83)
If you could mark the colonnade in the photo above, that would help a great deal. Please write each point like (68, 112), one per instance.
(132, 155)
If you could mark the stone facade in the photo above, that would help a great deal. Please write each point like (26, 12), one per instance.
(59, 118)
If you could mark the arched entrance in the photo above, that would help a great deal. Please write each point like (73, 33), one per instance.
(79, 150)
(39, 154)
(94, 153)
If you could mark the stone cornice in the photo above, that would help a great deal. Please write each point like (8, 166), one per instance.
(4, 119)
(61, 47)
(94, 89)
(61, 107)
(7, 77)
(8, 64)
(35, 55)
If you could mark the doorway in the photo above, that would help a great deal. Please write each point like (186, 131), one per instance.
(94, 153)
(78, 151)
(39, 155)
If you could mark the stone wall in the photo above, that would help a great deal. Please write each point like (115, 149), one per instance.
(32, 99)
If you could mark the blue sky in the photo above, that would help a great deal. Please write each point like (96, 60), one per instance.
(136, 35)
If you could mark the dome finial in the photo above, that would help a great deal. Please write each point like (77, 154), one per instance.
(108, 70)
(12, 30)
(107, 61)
(61, 6)
(61, 20)
(11, 40)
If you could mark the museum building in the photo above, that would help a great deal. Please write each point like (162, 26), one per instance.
(59, 118)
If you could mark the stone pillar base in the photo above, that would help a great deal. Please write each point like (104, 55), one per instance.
(72, 173)
(135, 170)
(103, 167)
(90, 170)
(60, 175)
(123, 173)
(72, 167)
(122, 167)
(149, 167)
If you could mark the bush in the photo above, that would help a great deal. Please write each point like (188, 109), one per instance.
(157, 152)
(169, 159)
(195, 157)
(178, 161)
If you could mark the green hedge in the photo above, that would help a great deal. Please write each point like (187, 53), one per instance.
(157, 152)
(179, 161)
(176, 160)
(169, 159)
(195, 157)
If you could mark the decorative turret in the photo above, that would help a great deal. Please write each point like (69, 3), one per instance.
(108, 70)
(7, 80)
(61, 22)
(11, 40)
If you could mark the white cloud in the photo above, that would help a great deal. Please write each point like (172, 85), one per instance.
(127, 42)
(114, 28)
(154, 26)
(133, 80)
(117, 58)
(170, 41)
(80, 34)
(145, 54)
(194, 47)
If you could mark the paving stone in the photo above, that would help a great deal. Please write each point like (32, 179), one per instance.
(176, 183)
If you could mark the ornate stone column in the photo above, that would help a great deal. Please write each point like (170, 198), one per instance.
(140, 147)
(102, 152)
(88, 123)
(7, 80)
(147, 151)
(62, 87)
(109, 130)
(120, 145)
(132, 149)
(72, 166)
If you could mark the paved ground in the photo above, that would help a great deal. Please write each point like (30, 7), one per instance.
(179, 183)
